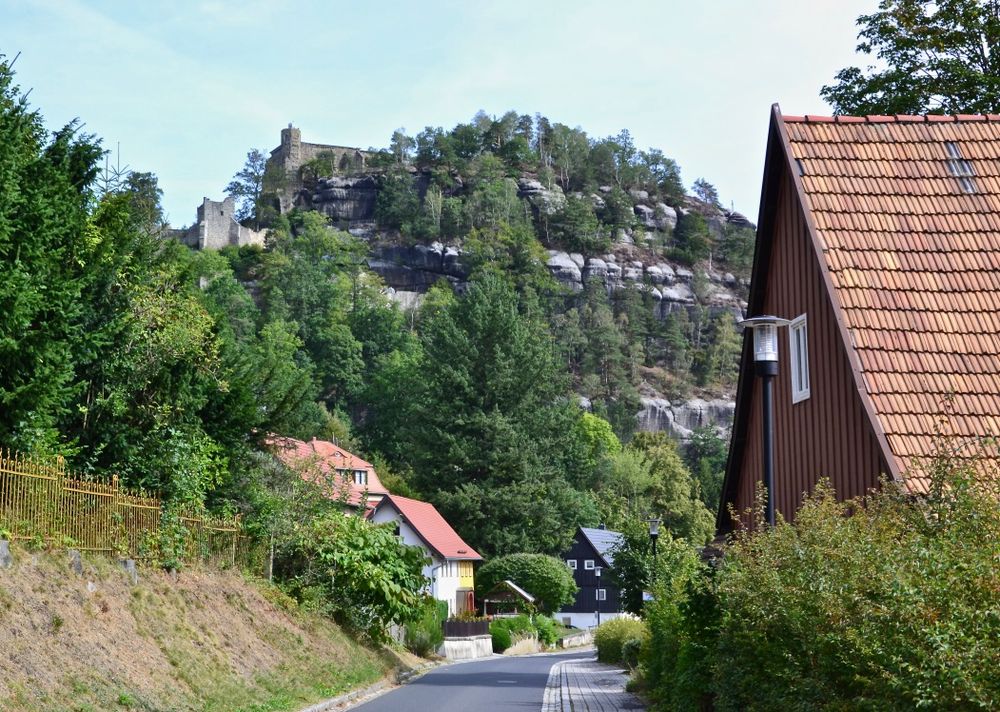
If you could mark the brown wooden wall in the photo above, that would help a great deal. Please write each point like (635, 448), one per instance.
(828, 434)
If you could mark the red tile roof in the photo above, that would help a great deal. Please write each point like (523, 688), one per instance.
(913, 252)
(430, 526)
(322, 461)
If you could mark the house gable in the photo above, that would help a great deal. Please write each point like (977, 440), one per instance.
(830, 434)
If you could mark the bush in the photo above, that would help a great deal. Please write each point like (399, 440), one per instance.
(631, 650)
(507, 631)
(547, 632)
(885, 602)
(546, 578)
(610, 637)
(425, 635)
(502, 638)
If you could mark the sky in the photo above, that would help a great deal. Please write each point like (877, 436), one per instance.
(185, 89)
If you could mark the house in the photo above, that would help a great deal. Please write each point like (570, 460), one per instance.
(451, 568)
(346, 476)
(879, 237)
(590, 558)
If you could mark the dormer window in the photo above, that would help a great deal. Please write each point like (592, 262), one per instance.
(361, 477)
(960, 168)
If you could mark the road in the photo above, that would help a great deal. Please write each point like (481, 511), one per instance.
(492, 685)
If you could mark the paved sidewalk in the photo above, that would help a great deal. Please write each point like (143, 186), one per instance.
(588, 686)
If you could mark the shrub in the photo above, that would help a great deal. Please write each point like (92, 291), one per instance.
(547, 632)
(631, 650)
(893, 606)
(502, 638)
(507, 631)
(425, 635)
(545, 577)
(610, 637)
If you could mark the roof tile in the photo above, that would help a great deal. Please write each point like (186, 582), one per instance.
(915, 264)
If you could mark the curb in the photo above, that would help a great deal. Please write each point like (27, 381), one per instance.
(341, 702)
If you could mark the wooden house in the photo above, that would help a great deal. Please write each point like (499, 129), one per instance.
(879, 237)
(591, 558)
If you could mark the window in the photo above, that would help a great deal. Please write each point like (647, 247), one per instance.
(361, 477)
(602, 594)
(588, 564)
(798, 347)
(571, 563)
(960, 168)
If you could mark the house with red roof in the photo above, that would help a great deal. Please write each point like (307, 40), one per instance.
(451, 568)
(879, 238)
(345, 476)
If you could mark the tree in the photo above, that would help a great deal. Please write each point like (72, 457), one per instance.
(546, 578)
(365, 576)
(45, 246)
(489, 422)
(247, 186)
(401, 146)
(705, 192)
(933, 57)
(705, 455)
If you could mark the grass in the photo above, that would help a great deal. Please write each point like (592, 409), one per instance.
(210, 642)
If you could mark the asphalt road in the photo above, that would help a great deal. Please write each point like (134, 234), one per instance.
(492, 685)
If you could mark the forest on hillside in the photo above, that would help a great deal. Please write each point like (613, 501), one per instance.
(129, 354)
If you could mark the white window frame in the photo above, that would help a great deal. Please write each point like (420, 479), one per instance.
(602, 594)
(798, 334)
(361, 477)
(588, 564)
(571, 563)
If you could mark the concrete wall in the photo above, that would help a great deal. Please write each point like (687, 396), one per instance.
(583, 620)
(477, 646)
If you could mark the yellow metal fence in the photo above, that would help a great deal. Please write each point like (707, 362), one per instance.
(41, 500)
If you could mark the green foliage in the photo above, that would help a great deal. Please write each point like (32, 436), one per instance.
(488, 427)
(46, 246)
(577, 229)
(611, 637)
(548, 632)
(678, 657)
(247, 187)
(425, 635)
(736, 248)
(398, 204)
(932, 57)
(706, 454)
(509, 630)
(359, 572)
(545, 577)
(692, 241)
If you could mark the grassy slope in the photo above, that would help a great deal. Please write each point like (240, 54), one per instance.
(207, 641)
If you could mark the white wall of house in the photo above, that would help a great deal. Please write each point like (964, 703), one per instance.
(583, 620)
(444, 575)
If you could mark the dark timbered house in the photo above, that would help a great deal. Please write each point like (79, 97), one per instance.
(590, 558)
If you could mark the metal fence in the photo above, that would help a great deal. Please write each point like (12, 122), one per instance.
(40, 500)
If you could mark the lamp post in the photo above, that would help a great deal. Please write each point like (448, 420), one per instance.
(597, 602)
(765, 356)
(654, 533)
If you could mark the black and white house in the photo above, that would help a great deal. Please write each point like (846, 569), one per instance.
(590, 559)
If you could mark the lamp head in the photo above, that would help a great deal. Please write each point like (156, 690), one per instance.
(765, 336)
(654, 527)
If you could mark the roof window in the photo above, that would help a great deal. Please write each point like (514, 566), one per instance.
(960, 168)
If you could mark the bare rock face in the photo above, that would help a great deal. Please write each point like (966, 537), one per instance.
(416, 268)
(566, 269)
(681, 419)
(547, 201)
(665, 218)
(346, 198)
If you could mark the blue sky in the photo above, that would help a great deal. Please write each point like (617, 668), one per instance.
(186, 88)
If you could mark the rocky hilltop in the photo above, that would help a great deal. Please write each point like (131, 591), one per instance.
(408, 270)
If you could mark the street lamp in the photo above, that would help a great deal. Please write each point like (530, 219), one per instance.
(765, 356)
(654, 533)
(597, 595)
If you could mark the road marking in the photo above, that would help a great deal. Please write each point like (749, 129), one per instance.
(506, 682)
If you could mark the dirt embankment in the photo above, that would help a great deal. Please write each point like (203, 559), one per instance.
(206, 640)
